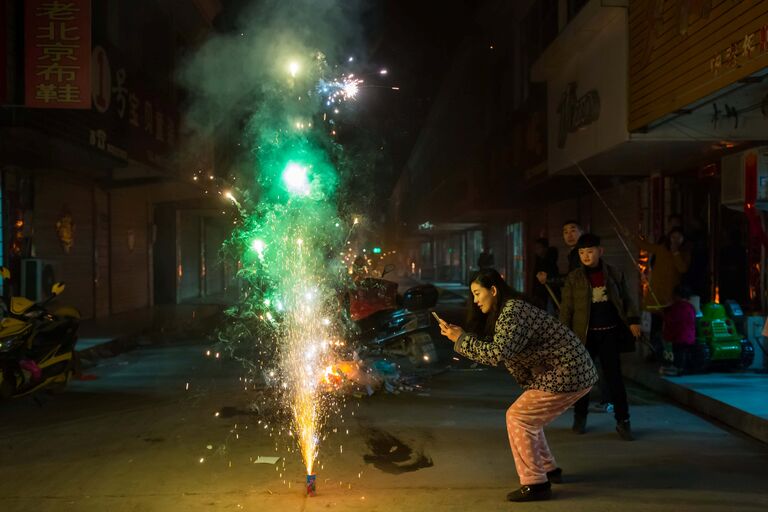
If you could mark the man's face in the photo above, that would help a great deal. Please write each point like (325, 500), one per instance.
(590, 256)
(571, 234)
(676, 239)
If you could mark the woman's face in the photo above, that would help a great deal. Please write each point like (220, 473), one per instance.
(485, 298)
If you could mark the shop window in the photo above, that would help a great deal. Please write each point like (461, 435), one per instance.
(515, 256)
(474, 247)
(425, 254)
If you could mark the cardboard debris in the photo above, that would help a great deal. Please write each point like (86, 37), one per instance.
(266, 460)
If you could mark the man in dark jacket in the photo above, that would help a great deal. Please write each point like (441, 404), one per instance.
(598, 307)
(571, 232)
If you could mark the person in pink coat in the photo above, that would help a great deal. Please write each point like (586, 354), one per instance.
(678, 332)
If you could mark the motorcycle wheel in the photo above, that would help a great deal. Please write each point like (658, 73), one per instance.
(62, 380)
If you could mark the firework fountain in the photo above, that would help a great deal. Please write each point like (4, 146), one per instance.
(291, 225)
(289, 232)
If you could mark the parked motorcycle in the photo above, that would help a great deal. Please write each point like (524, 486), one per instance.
(37, 346)
(391, 326)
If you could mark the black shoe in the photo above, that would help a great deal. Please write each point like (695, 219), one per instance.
(535, 492)
(625, 430)
(555, 476)
(579, 424)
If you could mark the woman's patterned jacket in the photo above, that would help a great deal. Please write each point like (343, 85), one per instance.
(539, 351)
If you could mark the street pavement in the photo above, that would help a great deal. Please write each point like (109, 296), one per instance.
(143, 436)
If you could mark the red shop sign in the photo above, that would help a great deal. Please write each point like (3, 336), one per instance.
(57, 53)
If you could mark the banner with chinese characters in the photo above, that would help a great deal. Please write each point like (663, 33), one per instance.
(3, 55)
(132, 120)
(681, 51)
(57, 42)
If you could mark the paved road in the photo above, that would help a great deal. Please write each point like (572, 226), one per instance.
(132, 440)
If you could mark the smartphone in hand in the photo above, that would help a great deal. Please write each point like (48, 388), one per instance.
(439, 320)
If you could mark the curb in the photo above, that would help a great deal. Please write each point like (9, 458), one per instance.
(90, 356)
(738, 419)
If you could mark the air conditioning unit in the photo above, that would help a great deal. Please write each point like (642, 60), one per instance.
(37, 278)
(734, 184)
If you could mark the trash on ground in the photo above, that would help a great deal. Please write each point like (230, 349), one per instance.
(266, 460)
(364, 377)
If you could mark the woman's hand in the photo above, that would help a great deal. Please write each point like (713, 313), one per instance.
(450, 331)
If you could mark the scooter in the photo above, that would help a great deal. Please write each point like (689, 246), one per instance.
(37, 346)
(391, 326)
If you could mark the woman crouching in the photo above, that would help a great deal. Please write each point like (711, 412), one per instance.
(548, 361)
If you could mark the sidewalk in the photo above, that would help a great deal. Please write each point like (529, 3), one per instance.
(114, 334)
(737, 399)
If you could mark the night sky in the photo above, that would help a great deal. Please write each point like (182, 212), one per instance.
(415, 42)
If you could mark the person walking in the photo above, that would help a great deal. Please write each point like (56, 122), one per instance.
(670, 263)
(486, 259)
(597, 305)
(546, 359)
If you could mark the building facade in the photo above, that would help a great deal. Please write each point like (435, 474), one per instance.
(658, 105)
(96, 189)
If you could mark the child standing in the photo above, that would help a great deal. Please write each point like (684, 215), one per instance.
(679, 332)
(598, 307)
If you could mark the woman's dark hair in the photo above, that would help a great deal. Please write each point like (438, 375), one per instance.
(479, 322)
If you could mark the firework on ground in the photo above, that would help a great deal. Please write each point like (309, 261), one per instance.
(287, 328)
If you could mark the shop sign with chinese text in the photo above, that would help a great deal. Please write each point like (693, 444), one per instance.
(682, 51)
(130, 121)
(57, 42)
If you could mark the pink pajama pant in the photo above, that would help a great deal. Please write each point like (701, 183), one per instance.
(525, 426)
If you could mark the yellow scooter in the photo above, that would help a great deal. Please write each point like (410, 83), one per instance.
(37, 346)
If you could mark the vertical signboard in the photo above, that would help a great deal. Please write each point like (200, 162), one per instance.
(57, 54)
(3, 54)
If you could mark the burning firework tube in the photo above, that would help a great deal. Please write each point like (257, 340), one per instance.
(311, 487)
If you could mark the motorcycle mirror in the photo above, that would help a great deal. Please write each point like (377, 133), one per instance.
(5, 273)
(57, 288)
(387, 269)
